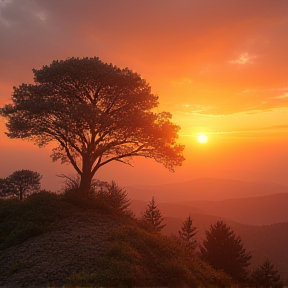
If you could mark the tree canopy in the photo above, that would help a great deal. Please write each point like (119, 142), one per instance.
(20, 182)
(223, 250)
(94, 113)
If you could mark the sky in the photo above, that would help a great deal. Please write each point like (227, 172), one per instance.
(219, 66)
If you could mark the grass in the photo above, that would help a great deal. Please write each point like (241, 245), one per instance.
(134, 255)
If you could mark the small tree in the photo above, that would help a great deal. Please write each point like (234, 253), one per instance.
(112, 194)
(266, 276)
(224, 251)
(153, 215)
(20, 182)
(94, 113)
(188, 232)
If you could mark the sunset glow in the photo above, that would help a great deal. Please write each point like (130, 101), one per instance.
(219, 67)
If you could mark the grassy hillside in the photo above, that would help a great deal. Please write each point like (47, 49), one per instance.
(67, 240)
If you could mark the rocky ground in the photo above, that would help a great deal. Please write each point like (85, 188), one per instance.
(47, 260)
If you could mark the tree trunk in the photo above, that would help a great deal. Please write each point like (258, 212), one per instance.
(21, 194)
(86, 177)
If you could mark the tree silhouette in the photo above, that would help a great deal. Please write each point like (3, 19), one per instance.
(224, 251)
(188, 232)
(266, 276)
(153, 215)
(112, 194)
(20, 182)
(94, 113)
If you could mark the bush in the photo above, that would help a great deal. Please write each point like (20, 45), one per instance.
(103, 196)
(113, 195)
(21, 220)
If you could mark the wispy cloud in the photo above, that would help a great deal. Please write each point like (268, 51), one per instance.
(284, 96)
(182, 82)
(244, 58)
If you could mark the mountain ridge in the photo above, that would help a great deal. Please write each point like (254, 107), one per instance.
(257, 211)
(204, 189)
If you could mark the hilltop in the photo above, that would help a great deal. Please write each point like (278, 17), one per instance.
(52, 240)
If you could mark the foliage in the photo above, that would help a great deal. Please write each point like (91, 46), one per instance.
(112, 194)
(266, 275)
(20, 182)
(105, 194)
(132, 255)
(36, 214)
(188, 232)
(137, 257)
(96, 113)
(153, 215)
(224, 251)
(20, 220)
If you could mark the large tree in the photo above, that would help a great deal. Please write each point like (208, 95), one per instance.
(95, 113)
(223, 250)
(20, 182)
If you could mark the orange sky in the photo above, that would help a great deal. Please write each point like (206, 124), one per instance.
(220, 67)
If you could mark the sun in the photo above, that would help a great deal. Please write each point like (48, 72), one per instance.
(202, 138)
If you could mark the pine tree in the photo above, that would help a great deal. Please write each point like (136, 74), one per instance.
(188, 232)
(266, 276)
(153, 215)
(224, 251)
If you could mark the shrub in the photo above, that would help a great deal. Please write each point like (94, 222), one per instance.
(21, 220)
(105, 196)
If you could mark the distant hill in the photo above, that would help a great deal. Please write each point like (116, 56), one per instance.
(204, 189)
(262, 210)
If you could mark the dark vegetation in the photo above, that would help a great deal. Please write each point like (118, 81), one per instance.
(134, 253)
(153, 215)
(94, 113)
(188, 232)
(266, 275)
(224, 251)
(20, 183)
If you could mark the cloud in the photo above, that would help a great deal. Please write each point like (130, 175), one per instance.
(284, 96)
(181, 47)
(182, 82)
(242, 59)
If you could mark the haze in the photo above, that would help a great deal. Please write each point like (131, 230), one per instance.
(220, 67)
